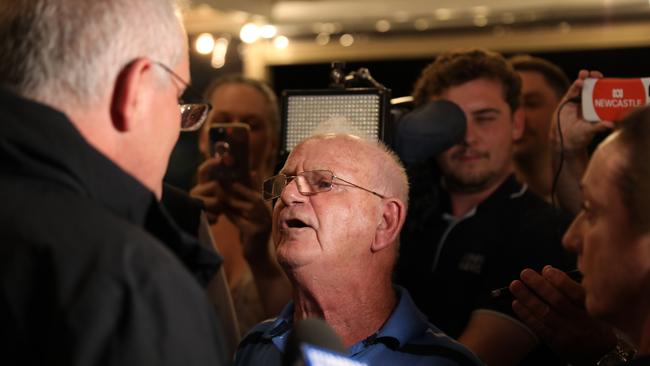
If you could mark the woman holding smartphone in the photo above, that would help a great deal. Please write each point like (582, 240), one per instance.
(240, 218)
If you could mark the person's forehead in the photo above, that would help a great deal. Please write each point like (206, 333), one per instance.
(534, 81)
(477, 94)
(487, 87)
(238, 95)
(336, 153)
(600, 176)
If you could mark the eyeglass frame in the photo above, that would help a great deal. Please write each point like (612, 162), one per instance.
(289, 178)
(182, 104)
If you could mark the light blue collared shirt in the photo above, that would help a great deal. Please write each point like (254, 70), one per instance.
(407, 338)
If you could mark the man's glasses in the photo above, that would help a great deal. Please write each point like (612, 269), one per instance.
(309, 183)
(192, 114)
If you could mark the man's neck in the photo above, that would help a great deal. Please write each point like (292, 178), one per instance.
(354, 310)
(464, 202)
(535, 170)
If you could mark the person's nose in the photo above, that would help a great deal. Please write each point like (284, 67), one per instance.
(470, 133)
(291, 193)
(572, 239)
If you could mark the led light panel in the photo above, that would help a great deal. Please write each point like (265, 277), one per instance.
(303, 111)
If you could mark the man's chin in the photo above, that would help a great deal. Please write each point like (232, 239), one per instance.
(467, 184)
(293, 254)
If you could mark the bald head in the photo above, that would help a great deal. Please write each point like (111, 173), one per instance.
(386, 174)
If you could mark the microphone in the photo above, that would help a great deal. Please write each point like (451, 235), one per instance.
(312, 342)
(429, 130)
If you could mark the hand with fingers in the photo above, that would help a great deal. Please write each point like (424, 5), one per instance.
(243, 205)
(206, 190)
(551, 304)
(577, 132)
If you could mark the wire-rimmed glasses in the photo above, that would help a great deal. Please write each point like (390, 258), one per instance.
(192, 114)
(309, 182)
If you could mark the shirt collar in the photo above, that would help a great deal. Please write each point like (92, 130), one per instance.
(279, 330)
(404, 323)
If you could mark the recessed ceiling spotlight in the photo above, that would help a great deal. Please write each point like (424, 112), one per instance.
(382, 26)
(249, 33)
(480, 20)
(322, 39)
(281, 42)
(220, 52)
(346, 40)
(421, 24)
(204, 43)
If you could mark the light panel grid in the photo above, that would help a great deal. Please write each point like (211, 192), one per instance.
(306, 112)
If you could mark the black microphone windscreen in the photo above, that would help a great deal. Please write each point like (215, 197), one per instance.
(429, 130)
(312, 331)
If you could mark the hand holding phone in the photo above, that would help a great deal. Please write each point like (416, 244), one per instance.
(229, 145)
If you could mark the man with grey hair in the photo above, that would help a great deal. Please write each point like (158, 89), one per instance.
(341, 203)
(92, 269)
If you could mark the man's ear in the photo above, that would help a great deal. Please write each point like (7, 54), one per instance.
(391, 221)
(518, 124)
(128, 95)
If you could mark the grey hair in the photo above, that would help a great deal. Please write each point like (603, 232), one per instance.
(69, 52)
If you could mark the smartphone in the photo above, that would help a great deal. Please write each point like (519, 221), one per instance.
(229, 142)
(610, 99)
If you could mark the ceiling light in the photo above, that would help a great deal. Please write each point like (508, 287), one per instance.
(322, 39)
(346, 40)
(249, 33)
(219, 53)
(480, 20)
(281, 42)
(382, 26)
(268, 31)
(421, 24)
(204, 43)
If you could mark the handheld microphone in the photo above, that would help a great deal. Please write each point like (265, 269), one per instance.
(314, 343)
(429, 130)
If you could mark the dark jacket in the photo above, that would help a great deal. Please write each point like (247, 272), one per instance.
(92, 269)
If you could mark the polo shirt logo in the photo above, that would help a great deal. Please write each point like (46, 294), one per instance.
(472, 262)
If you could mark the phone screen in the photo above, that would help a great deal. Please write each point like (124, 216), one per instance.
(229, 143)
